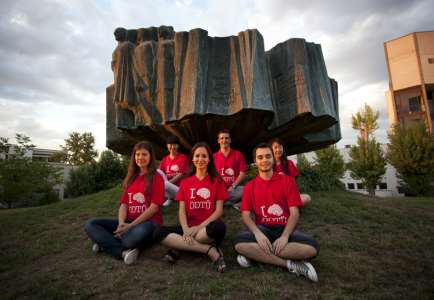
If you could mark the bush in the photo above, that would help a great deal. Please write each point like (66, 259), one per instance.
(90, 178)
(317, 177)
(411, 152)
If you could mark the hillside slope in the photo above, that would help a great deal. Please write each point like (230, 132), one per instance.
(380, 248)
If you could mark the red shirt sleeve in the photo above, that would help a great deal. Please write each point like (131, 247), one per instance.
(157, 190)
(124, 198)
(292, 169)
(180, 193)
(246, 200)
(162, 166)
(292, 193)
(183, 168)
(221, 192)
(242, 163)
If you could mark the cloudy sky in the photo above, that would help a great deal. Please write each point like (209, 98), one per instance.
(55, 54)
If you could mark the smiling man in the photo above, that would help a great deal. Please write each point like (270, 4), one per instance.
(231, 166)
(271, 238)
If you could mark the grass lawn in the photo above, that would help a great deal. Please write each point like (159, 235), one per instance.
(370, 249)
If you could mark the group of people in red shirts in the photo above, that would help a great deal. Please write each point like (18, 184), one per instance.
(202, 185)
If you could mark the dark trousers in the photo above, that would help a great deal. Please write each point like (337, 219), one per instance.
(101, 231)
(215, 230)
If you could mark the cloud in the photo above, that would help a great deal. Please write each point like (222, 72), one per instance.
(54, 70)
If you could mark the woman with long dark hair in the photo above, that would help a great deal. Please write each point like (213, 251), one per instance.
(139, 209)
(284, 165)
(201, 197)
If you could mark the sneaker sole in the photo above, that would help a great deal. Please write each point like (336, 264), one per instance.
(131, 257)
(313, 275)
(243, 261)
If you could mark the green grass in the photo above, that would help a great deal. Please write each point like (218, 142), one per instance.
(370, 249)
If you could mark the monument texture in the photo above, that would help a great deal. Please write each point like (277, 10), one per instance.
(192, 85)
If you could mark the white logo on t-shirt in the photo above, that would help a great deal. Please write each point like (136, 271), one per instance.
(204, 193)
(139, 197)
(229, 171)
(275, 210)
(174, 168)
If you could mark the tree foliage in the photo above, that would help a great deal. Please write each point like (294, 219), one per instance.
(367, 164)
(365, 121)
(330, 162)
(90, 178)
(323, 174)
(79, 149)
(411, 152)
(24, 182)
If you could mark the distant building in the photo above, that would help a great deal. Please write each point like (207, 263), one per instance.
(410, 65)
(388, 186)
(38, 154)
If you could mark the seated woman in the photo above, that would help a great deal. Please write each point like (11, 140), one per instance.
(200, 197)
(139, 210)
(173, 167)
(283, 165)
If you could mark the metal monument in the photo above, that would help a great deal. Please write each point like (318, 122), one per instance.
(192, 85)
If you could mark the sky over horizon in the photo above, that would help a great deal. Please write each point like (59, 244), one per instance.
(55, 55)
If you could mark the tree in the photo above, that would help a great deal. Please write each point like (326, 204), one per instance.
(79, 148)
(330, 162)
(24, 182)
(411, 152)
(365, 121)
(367, 159)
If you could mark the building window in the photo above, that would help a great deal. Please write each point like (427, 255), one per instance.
(414, 104)
(430, 60)
(383, 186)
(360, 186)
(350, 186)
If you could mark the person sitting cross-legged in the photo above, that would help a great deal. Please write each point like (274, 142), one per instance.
(201, 197)
(139, 209)
(273, 199)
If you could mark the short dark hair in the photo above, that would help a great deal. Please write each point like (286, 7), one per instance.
(261, 145)
(223, 131)
(172, 139)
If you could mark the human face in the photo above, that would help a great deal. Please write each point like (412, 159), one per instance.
(264, 159)
(224, 140)
(277, 150)
(200, 158)
(173, 149)
(142, 158)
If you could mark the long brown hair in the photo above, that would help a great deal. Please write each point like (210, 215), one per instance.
(283, 159)
(210, 168)
(134, 170)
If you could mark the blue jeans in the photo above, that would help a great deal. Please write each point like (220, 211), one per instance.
(101, 231)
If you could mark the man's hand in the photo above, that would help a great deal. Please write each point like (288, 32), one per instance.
(264, 243)
(279, 245)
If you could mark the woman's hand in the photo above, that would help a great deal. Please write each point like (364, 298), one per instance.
(190, 234)
(122, 228)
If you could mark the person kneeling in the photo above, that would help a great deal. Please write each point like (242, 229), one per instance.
(274, 200)
(201, 198)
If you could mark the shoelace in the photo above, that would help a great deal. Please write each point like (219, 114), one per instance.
(299, 268)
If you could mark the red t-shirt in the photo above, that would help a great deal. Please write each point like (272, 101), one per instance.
(292, 169)
(200, 197)
(270, 199)
(175, 166)
(137, 202)
(229, 167)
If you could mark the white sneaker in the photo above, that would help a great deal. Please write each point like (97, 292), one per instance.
(243, 261)
(167, 202)
(96, 248)
(302, 268)
(130, 256)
